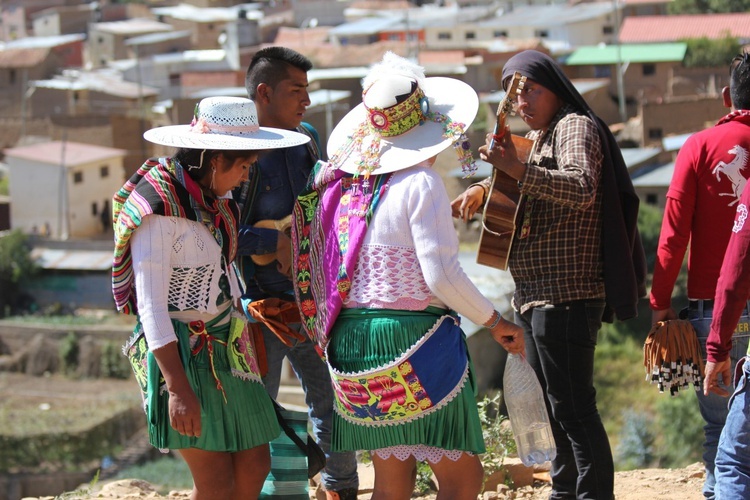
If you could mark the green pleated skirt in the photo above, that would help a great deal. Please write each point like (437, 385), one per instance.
(244, 420)
(364, 339)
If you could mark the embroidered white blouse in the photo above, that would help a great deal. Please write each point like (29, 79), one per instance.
(177, 265)
(409, 258)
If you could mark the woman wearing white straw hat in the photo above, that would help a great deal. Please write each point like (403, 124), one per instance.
(175, 241)
(378, 283)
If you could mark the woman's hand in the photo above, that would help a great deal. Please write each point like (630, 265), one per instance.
(184, 407)
(185, 411)
(510, 336)
(467, 203)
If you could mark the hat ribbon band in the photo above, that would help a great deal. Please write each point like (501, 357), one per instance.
(400, 118)
(200, 126)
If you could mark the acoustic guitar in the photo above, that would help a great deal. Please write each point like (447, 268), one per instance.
(499, 218)
(284, 225)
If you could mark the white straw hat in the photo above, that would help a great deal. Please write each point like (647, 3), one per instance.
(225, 123)
(388, 132)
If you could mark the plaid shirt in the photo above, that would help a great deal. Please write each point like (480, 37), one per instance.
(556, 255)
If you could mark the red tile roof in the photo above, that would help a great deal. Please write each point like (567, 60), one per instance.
(648, 29)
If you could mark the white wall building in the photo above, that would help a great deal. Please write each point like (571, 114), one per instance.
(63, 189)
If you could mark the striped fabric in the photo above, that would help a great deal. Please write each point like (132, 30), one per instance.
(288, 477)
(162, 187)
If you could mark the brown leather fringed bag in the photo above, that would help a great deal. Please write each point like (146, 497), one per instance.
(672, 356)
(277, 314)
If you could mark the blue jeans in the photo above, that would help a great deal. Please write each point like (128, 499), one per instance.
(560, 344)
(713, 407)
(733, 457)
(341, 468)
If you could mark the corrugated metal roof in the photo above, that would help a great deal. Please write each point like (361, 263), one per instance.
(104, 82)
(73, 260)
(196, 14)
(675, 142)
(632, 53)
(366, 26)
(659, 177)
(131, 27)
(76, 153)
(644, 29)
(548, 15)
(35, 42)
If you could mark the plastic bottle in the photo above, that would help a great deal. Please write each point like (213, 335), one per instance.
(527, 412)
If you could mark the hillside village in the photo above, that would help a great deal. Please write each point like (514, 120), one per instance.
(80, 81)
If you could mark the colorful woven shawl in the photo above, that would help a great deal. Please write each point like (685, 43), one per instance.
(329, 223)
(162, 187)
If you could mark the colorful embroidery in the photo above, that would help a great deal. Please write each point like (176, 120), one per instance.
(422, 380)
(329, 222)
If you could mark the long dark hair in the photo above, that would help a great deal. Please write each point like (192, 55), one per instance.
(197, 162)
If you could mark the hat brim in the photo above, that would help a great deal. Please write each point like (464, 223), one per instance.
(181, 136)
(447, 96)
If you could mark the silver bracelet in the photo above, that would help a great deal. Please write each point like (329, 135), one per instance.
(497, 320)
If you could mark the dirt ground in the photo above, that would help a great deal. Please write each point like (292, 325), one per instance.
(651, 484)
(57, 392)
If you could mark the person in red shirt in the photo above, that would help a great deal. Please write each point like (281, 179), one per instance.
(710, 174)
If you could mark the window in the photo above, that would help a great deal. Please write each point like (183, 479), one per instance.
(500, 34)
(602, 71)
(652, 199)
(655, 133)
(470, 35)
(444, 36)
(94, 210)
(104, 171)
(649, 69)
(541, 33)
(12, 76)
(77, 177)
(608, 30)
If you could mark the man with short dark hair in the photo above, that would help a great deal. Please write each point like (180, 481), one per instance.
(732, 469)
(276, 81)
(709, 177)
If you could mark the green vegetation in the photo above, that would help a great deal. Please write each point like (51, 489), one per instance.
(646, 428)
(498, 436)
(702, 52)
(16, 267)
(707, 6)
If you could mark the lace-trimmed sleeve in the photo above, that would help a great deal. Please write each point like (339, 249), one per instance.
(152, 248)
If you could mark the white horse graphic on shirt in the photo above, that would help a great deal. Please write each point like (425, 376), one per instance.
(733, 172)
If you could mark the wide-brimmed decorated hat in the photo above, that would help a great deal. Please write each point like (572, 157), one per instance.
(225, 123)
(403, 120)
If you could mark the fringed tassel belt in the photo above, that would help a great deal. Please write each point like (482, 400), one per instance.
(422, 380)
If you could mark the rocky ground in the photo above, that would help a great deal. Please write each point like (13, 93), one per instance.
(651, 484)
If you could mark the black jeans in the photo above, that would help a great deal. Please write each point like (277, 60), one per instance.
(560, 344)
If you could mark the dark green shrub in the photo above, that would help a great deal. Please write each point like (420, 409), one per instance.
(69, 352)
(113, 363)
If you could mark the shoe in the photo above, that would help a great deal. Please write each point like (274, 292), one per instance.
(345, 494)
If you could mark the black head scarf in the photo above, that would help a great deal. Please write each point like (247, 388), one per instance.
(623, 254)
